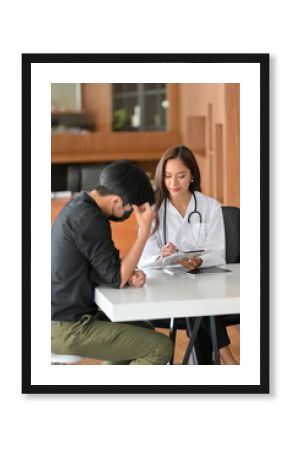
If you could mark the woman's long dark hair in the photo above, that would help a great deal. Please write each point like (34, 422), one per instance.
(187, 157)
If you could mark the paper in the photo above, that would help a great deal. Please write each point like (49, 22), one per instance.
(177, 270)
(172, 260)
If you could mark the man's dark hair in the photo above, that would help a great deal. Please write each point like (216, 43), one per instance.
(126, 179)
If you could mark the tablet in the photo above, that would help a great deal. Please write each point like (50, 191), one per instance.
(179, 270)
(172, 260)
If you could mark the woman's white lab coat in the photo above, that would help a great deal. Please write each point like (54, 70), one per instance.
(206, 235)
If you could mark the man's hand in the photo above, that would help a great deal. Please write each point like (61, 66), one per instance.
(137, 279)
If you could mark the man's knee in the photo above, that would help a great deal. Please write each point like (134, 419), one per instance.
(165, 348)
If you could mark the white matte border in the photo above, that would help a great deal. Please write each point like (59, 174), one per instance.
(42, 75)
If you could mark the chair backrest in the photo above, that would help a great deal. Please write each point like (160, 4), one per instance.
(231, 215)
(83, 177)
(73, 178)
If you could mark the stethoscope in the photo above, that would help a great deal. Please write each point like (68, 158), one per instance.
(190, 215)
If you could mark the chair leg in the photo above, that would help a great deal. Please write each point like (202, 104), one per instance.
(216, 354)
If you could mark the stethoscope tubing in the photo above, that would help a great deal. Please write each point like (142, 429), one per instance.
(195, 211)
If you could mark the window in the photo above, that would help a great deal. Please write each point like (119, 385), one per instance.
(65, 97)
(66, 109)
(139, 107)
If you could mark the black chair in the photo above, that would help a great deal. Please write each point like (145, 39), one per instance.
(231, 217)
(83, 177)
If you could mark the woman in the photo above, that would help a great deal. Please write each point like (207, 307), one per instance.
(187, 220)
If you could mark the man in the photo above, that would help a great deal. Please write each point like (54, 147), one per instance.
(84, 255)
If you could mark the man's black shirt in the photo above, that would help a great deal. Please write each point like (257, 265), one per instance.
(82, 255)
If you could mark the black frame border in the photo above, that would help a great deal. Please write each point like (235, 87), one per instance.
(259, 58)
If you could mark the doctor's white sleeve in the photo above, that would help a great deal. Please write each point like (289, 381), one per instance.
(215, 242)
(151, 251)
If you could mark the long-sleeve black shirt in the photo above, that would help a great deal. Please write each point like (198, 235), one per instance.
(82, 255)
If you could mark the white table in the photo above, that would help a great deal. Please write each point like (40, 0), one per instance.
(165, 296)
(172, 296)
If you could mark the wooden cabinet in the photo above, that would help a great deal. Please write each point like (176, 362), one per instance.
(203, 116)
(105, 145)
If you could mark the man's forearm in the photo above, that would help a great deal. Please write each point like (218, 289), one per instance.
(131, 259)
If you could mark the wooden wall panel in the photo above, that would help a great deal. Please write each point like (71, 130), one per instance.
(124, 234)
(97, 101)
(196, 131)
(219, 160)
(209, 186)
(232, 144)
(174, 108)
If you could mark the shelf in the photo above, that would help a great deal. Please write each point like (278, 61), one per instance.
(110, 146)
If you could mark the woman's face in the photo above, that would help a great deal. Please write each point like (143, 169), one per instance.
(177, 178)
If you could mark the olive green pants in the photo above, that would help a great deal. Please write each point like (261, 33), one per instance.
(112, 342)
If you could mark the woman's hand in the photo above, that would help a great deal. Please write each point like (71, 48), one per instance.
(190, 264)
(137, 279)
(168, 249)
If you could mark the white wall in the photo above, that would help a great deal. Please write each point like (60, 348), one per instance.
(149, 422)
